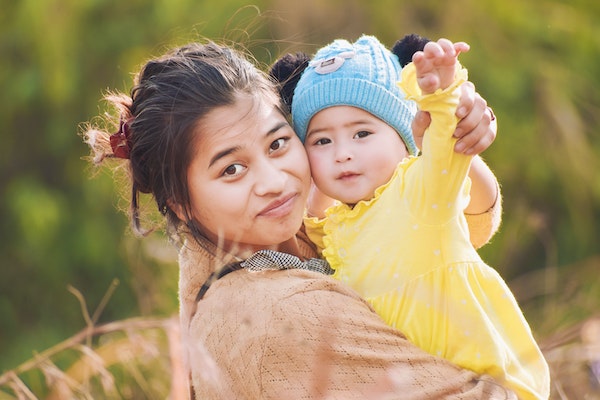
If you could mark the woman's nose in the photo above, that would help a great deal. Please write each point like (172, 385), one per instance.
(270, 178)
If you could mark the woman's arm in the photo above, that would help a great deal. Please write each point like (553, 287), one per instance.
(335, 346)
(299, 334)
(484, 187)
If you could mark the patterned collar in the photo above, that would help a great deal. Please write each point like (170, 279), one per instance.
(265, 260)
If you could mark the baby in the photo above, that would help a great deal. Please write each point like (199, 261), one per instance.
(397, 233)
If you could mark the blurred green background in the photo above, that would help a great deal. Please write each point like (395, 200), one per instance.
(536, 62)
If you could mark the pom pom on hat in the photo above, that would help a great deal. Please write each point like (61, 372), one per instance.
(363, 74)
(286, 72)
(406, 47)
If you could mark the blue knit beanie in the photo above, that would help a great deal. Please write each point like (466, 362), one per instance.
(362, 75)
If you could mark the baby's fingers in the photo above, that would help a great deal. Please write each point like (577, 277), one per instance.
(447, 47)
(433, 50)
(461, 47)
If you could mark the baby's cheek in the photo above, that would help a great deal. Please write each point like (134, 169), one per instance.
(318, 166)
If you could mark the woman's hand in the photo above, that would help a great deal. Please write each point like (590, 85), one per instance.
(477, 127)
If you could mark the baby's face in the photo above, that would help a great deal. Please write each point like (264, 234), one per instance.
(351, 152)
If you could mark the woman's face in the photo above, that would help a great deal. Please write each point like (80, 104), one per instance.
(249, 179)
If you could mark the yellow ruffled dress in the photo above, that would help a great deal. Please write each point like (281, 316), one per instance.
(407, 251)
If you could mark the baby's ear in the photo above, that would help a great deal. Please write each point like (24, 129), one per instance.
(407, 46)
(286, 72)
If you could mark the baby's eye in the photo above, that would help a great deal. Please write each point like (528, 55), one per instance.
(278, 144)
(362, 134)
(322, 141)
(233, 170)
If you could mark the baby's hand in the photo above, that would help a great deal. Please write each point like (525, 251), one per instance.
(436, 64)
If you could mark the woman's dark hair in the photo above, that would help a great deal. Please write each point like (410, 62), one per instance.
(171, 95)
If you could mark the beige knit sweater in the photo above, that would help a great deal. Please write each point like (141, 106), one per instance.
(296, 334)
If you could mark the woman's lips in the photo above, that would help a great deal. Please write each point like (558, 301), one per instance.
(279, 207)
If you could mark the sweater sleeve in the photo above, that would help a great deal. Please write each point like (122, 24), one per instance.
(482, 227)
(336, 347)
(301, 335)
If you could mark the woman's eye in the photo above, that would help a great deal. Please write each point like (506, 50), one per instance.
(233, 170)
(362, 134)
(278, 144)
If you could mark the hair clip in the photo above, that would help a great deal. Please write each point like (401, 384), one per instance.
(120, 141)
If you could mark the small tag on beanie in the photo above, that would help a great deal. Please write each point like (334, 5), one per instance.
(331, 64)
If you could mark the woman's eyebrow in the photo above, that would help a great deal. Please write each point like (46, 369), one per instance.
(233, 149)
(222, 154)
(276, 128)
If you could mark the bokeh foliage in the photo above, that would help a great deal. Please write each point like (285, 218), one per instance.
(537, 63)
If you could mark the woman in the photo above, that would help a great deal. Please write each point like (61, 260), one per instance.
(205, 136)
